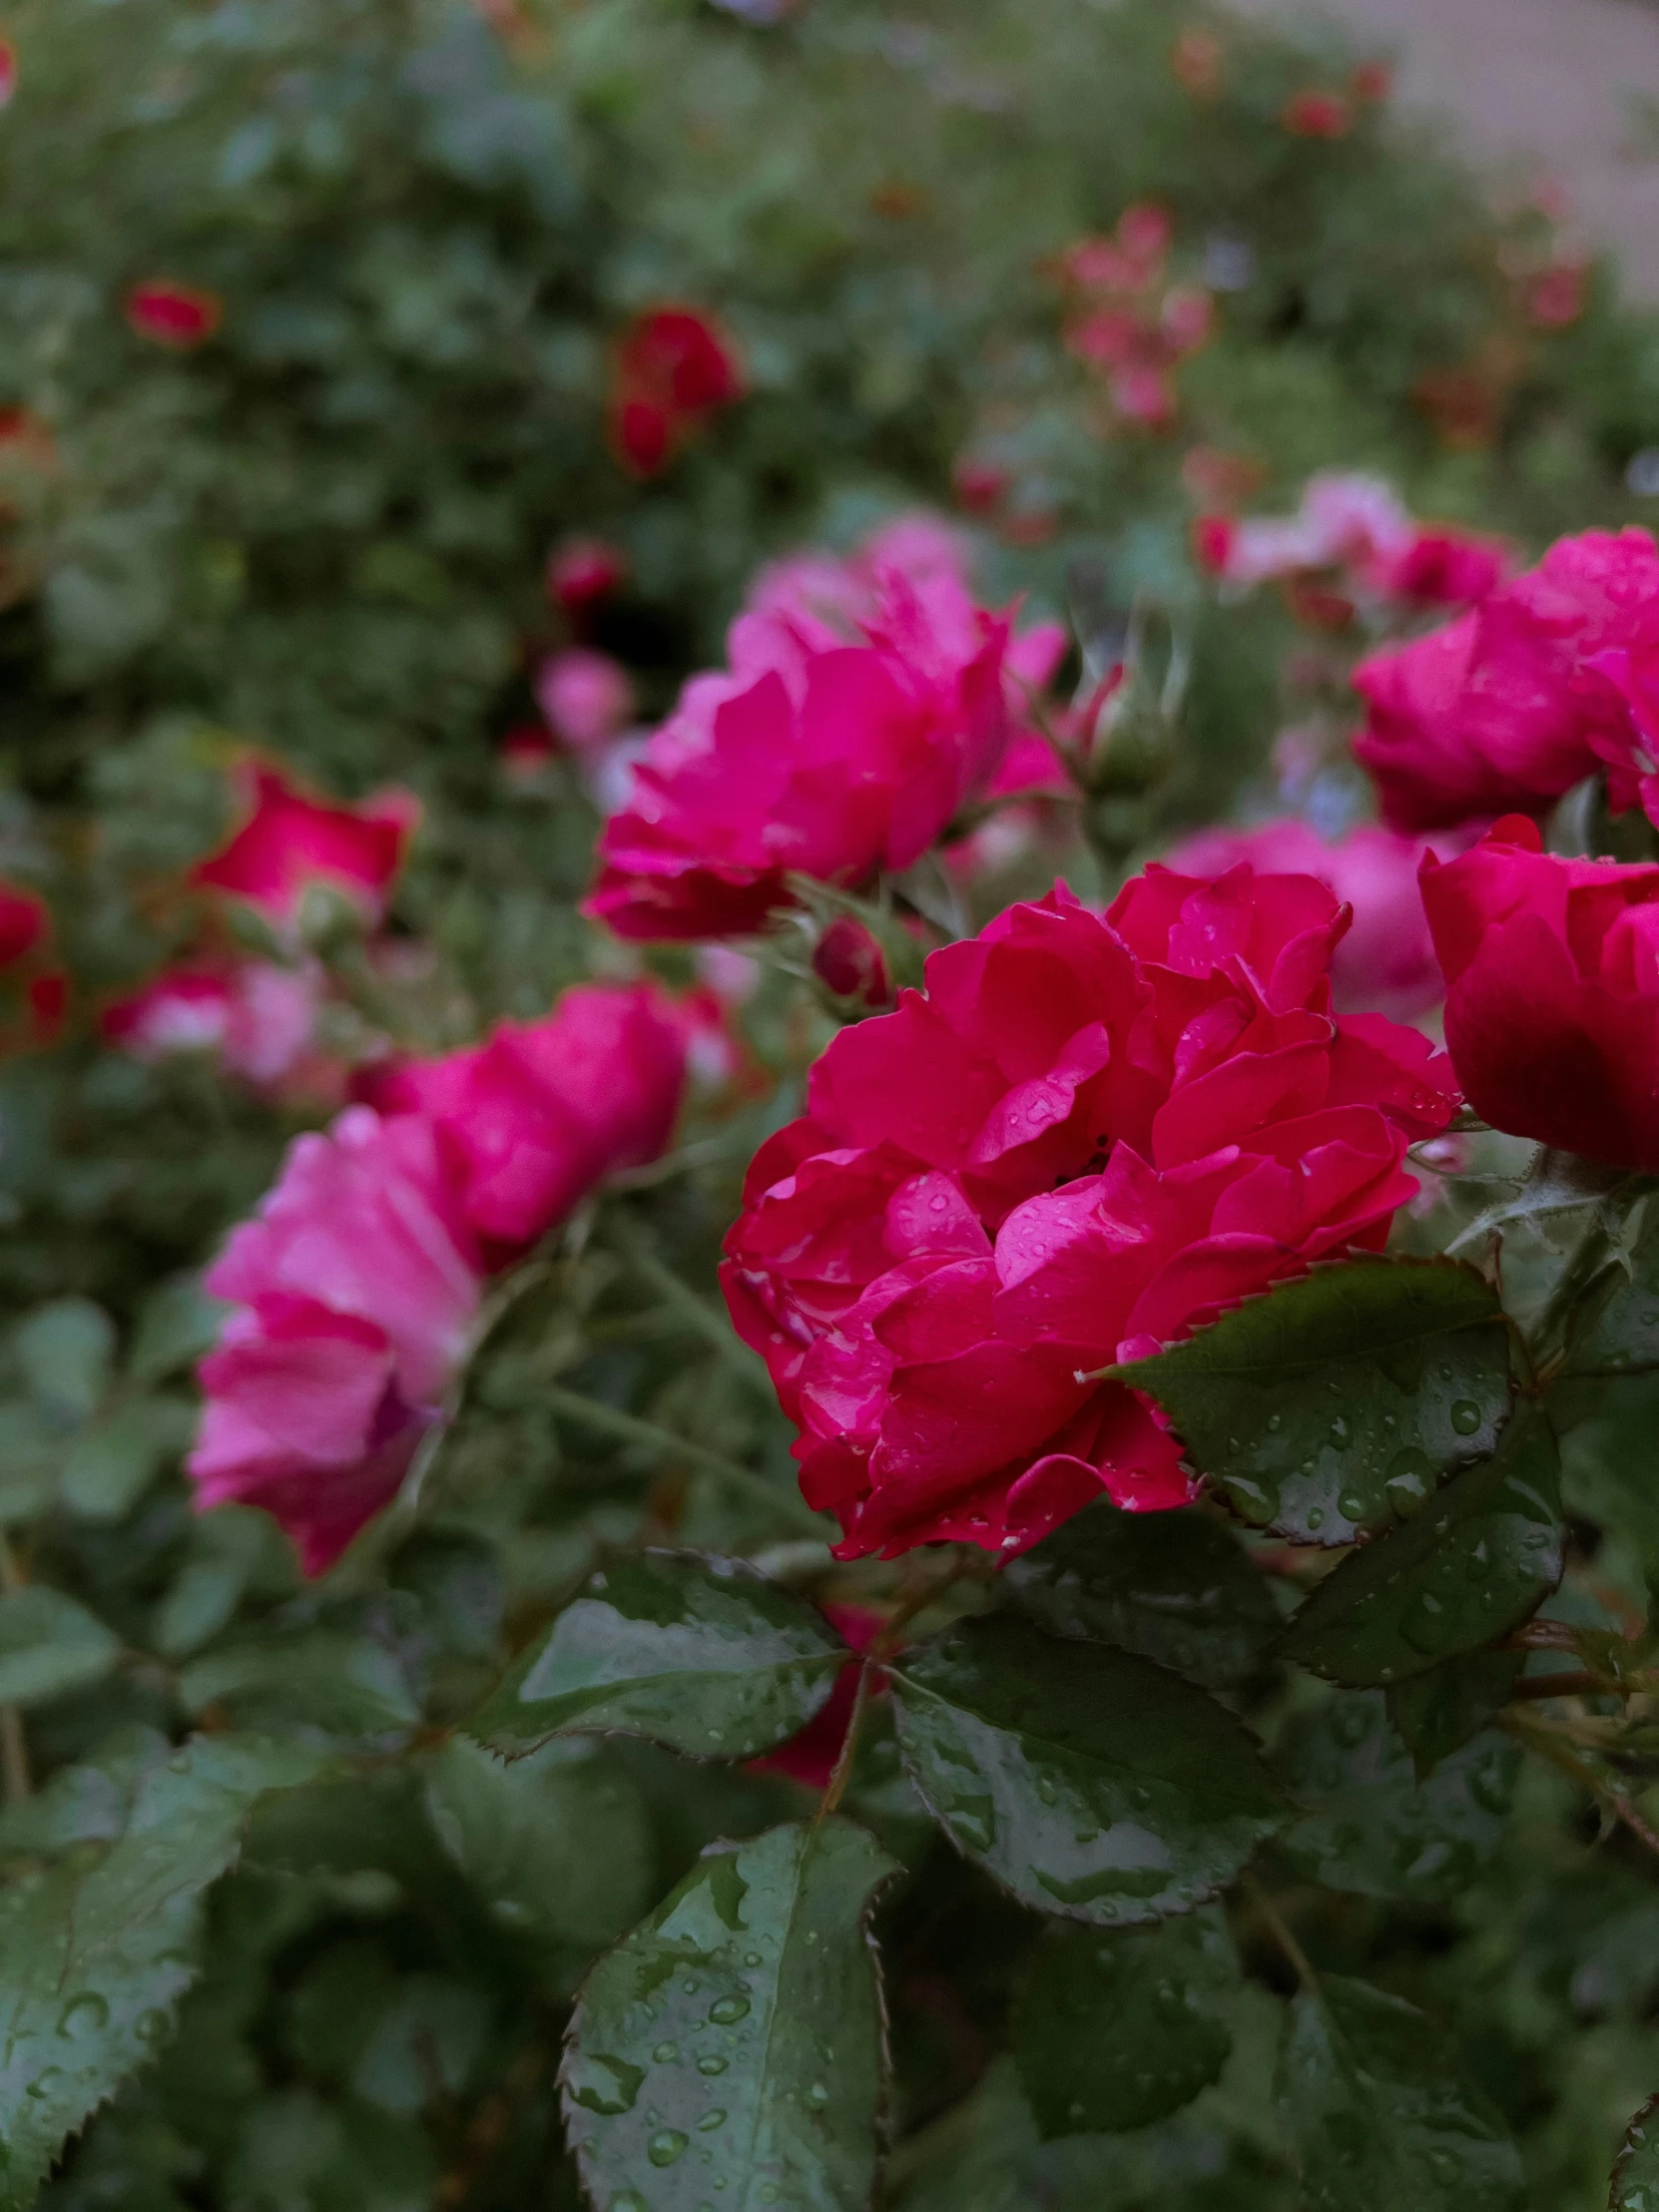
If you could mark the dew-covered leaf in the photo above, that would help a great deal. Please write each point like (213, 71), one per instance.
(1333, 1406)
(1369, 1825)
(733, 2042)
(1474, 1564)
(1635, 2184)
(557, 1844)
(1173, 1586)
(1086, 1780)
(705, 1655)
(49, 1644)
(1115, 2028)
(1615, 1329)
(97, 1956)
(1437, 1712)
(1379, 2115)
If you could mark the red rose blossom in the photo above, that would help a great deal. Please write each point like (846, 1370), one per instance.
(1552, 1001)
(1084, 1139)
(177, 316)
(1512, 704)
(289, 842)
(674, 368)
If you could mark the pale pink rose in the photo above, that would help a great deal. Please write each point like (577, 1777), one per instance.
(586, 697)
(258, 1018)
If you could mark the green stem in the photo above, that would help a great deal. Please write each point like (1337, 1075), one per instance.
(1268, 1912)
(14, 1744)
(609, 1421)
(684, 1301)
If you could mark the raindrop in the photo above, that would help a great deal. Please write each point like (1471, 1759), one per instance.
(725, 2011)
(1316, 1516)
(629, 2200)
(1049, 1790)
(713, 2118)
(1353, 1505)
(82, 2016)
(752, 1958)
(1465, 1416)
(664, 2053)
(1276, 1422)
(817, 2096)
(666, 2145)
(713, 2063)
(1342, 1435)
(1480, 1562)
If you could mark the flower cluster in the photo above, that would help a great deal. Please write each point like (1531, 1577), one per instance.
(863, 701)
(673, 368)
(1127, 321)
(1350, 542)
(356, 1288)
(1086, 1138)
(1554, 677)
(257, 1019)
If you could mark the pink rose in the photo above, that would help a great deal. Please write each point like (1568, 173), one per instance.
(255, 1017)
(289, 842)
(864, 703)
(1085, 1138)
(534, 1117)
(1515, 701)
(356, 1289)
(1386, 964)
(586, 697)
(1552, 1001)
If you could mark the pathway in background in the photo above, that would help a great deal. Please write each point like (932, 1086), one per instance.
(1561, 86)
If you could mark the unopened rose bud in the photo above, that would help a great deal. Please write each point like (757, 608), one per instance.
(847, 961)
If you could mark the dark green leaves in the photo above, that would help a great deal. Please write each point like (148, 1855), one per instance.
(49, 1644)
(1335, 1404)
(704, 1655)
(1371, 1825)
(97, 1956)
(733, 2042)
(1479, 1562)
(1175, 1586)
(557, 1845)
(1616, 1329)
(1114, 2031)
(1635, 2186)
(1380, 2120)
(1086, 1780)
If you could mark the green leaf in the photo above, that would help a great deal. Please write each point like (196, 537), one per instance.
(1381, 2120)
(89, 1803)
(1114, 2031)
(1371, 1827)
(1087, 1780)
(704, 1655)
(326, 1679)
(1437, 1712)
(97, 1958)
(1635, 2184)
(1333, 1406)
(1615, 1329)
(67, 1351)
(1473, 1566)
(49, 1644)
(176, 1323)
(1176, 1588)
(112, 1461)
(735, 2041)
(557, 1844)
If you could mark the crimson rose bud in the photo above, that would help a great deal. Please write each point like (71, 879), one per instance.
(582, 571)
(1552, 1006)
(849, 961)
(177, 316)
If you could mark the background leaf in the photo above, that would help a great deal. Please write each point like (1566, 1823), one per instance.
(49, 1644)
(1114, 2031)
(1474, 1565)
(1333, 1406)
(1635, 2184)
(1380, 2116)
(1173, 1586)
(1088, 1781)
(1370, 1825)
(737, 2037)
(707, 1656)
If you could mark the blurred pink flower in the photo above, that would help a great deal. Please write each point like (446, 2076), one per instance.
(586, 697)
(256, 1017)
(289, 842)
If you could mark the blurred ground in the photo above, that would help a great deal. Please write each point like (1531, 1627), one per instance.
(1566, 89)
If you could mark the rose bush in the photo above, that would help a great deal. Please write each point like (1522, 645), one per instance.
(1085, 1139)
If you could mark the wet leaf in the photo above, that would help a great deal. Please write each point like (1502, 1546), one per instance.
(735, 2041)
(1437, 1712)
(1115, 2029)
(1333, 1406)
(326, 1679)
(1370, 1825)
(1373, 2100)
(1615, 1329)
(97, 1958)
(1635, 2184)
(1467, 1570)
(705, 1655)
(49, 1644)
(114, 1460)
(1173, 1586)
(1086, 1780)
